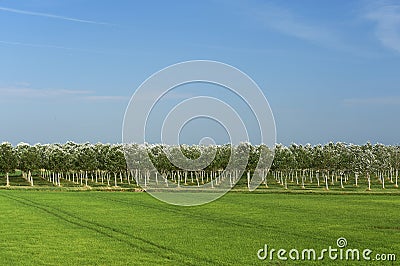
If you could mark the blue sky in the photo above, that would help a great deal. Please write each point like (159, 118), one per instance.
(329, 69)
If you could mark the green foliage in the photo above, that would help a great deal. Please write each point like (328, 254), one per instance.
(28, 157)
(338, 157)
(8, 158)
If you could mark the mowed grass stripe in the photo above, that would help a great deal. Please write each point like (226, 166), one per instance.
(203, 214)
(30, 238)
(291, 218)
(68, 218)
(228, 231)
(131, 240)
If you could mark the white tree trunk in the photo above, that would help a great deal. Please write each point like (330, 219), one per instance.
(166, 179)
(326, 182)
(248, 179)
(128, 177)
(8, 180)
(391, 175)
(30, 178)
(356, 177)
(369, 182)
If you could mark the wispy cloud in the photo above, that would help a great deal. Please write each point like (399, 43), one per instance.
(52, 47)
(53, 16)
(23, 84)
(387, 29)
(373, 101)
(39, 93)
(107, 98)
(160, 95)
(26, 92)
(70, 49)
(287, 22)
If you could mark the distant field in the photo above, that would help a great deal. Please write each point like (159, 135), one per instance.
(119, 228)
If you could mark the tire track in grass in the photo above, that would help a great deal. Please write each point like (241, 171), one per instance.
(36, 205)
(102, 229)
(182, 213)
(247, 224)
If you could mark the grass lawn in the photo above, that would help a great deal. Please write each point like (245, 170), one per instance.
(120, 228)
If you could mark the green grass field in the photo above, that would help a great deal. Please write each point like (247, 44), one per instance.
(120, 228)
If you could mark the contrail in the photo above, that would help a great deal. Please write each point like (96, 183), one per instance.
(18, 11)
